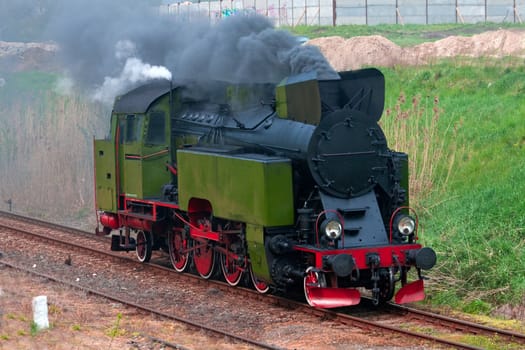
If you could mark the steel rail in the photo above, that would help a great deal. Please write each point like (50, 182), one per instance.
(43, 223)
(458, 323)
(144, 308)
(367, 324)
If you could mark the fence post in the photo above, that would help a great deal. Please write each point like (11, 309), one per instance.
(334, 13)
(516, 13)
(305, 12)
(366, 12)
(279, 12)
(293, 19)
(426, 11)
(319, 13)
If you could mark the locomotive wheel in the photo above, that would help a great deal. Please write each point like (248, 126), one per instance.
(144, 246)
(176, 245)
(386, 286)
(204, 259)
(231, 269)
(260, 286)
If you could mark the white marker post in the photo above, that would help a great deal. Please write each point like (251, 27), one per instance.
(40, 312)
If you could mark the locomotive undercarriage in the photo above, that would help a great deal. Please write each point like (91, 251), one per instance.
(329, 273)
(194, 241)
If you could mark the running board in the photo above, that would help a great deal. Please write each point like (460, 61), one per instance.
(325, 298)
(410, 293)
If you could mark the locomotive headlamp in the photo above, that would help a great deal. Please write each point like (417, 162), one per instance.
(406, 225)
(332, 229)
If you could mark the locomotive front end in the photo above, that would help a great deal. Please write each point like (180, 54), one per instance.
(355, 228)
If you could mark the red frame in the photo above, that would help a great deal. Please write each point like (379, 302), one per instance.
(386, 254)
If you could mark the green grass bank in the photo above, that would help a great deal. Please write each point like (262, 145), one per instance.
(469, 126)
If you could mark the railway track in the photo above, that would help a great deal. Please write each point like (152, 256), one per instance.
(452, 323)
(62, 237)
(438, 329)
(427, 323)
(151, 311)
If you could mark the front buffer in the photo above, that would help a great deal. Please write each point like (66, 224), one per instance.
(336, 274)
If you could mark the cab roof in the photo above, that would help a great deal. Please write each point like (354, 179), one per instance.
(140, 99)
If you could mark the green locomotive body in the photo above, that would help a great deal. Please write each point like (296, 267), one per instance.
(292, 184)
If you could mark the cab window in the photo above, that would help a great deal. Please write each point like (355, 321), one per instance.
(156, 129)
(130, 128)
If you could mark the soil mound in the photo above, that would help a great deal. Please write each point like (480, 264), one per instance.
(15, 56)
(343, 54)
(356, 52)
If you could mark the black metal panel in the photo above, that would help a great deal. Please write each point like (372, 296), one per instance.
(362, 90)
(138, 100)
(367, 229)
(346, 154)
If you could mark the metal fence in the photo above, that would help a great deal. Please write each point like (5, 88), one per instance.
(340, 12)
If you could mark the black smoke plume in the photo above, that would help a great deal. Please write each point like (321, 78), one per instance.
(111, 46)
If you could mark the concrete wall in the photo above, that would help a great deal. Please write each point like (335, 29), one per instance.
(340, 12)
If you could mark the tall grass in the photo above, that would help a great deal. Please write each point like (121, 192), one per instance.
(473, 213)
(45, 154)
(414, 126)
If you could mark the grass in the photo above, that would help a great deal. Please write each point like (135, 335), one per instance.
(472, 207)
(115, 330)
(45, 152)
(488, 343)
(33, 328)
(407, 35)
(413, 126)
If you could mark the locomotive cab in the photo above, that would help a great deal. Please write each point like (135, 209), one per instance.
(131, 161)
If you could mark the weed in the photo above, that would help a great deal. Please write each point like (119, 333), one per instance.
(76, 327)
(488, 343)
(54, 309)
(477, 307)
(472, 203)
(116, 331)
(34, 328)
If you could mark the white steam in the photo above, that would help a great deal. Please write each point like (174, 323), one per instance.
(125, 49)
(134, 72)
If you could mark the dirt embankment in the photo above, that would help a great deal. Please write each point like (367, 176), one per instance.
(16, 57)
(343, 54)
(356, 52)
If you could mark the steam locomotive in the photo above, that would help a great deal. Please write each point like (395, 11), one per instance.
(291, 184)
